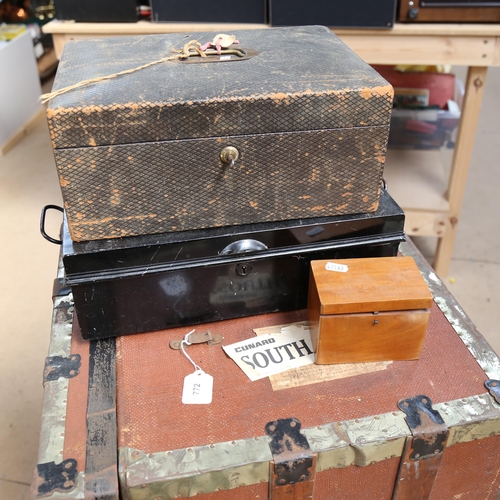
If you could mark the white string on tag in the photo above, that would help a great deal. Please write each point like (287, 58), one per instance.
(198, 386)
(185, 341)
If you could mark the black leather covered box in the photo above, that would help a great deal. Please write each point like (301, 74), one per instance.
(306, 119)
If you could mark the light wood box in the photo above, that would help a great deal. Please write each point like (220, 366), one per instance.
(377, 310)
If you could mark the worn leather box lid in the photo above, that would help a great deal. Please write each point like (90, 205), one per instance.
(303, 78)
(376, 284)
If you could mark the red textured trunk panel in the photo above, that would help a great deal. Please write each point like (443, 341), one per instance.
(469, 471)
(152, 418)
(374, 482)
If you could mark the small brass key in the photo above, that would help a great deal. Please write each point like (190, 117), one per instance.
(229, 155)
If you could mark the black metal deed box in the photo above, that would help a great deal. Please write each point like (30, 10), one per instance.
(154, 282)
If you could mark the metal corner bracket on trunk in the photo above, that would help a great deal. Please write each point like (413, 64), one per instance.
(423, 450)
(292, 471)
(61, 366)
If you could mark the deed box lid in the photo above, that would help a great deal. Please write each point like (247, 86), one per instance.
(298, 78)
(369, 284)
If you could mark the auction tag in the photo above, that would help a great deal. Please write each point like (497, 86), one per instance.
(198, 388)
(340, 268)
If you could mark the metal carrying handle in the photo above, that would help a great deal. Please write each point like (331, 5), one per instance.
(243, 246)
(42, 223)
(225, 55)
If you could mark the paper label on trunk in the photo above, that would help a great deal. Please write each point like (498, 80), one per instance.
(313, 373)
(269, 354)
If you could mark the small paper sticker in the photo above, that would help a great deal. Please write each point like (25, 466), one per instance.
(198, 388)
(339, 268)
(225, 58)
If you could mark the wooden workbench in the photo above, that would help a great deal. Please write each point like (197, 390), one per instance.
(431, 200)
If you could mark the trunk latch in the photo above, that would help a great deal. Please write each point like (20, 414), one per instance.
(292, 456)
(423, 450)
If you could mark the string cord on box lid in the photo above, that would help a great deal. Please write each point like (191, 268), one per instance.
(180, 54)
(220, 41)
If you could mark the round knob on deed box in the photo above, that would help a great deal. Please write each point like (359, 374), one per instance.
(229, 155)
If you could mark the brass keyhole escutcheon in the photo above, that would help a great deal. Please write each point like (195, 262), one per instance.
(229, 155)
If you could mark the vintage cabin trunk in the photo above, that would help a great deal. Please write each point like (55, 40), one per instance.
(126, 393)
(306, 122)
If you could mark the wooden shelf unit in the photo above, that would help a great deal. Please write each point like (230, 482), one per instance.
(416, 179)
(474, 45)
(47, 63)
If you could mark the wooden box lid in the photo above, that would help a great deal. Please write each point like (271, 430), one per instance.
(370, 284)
